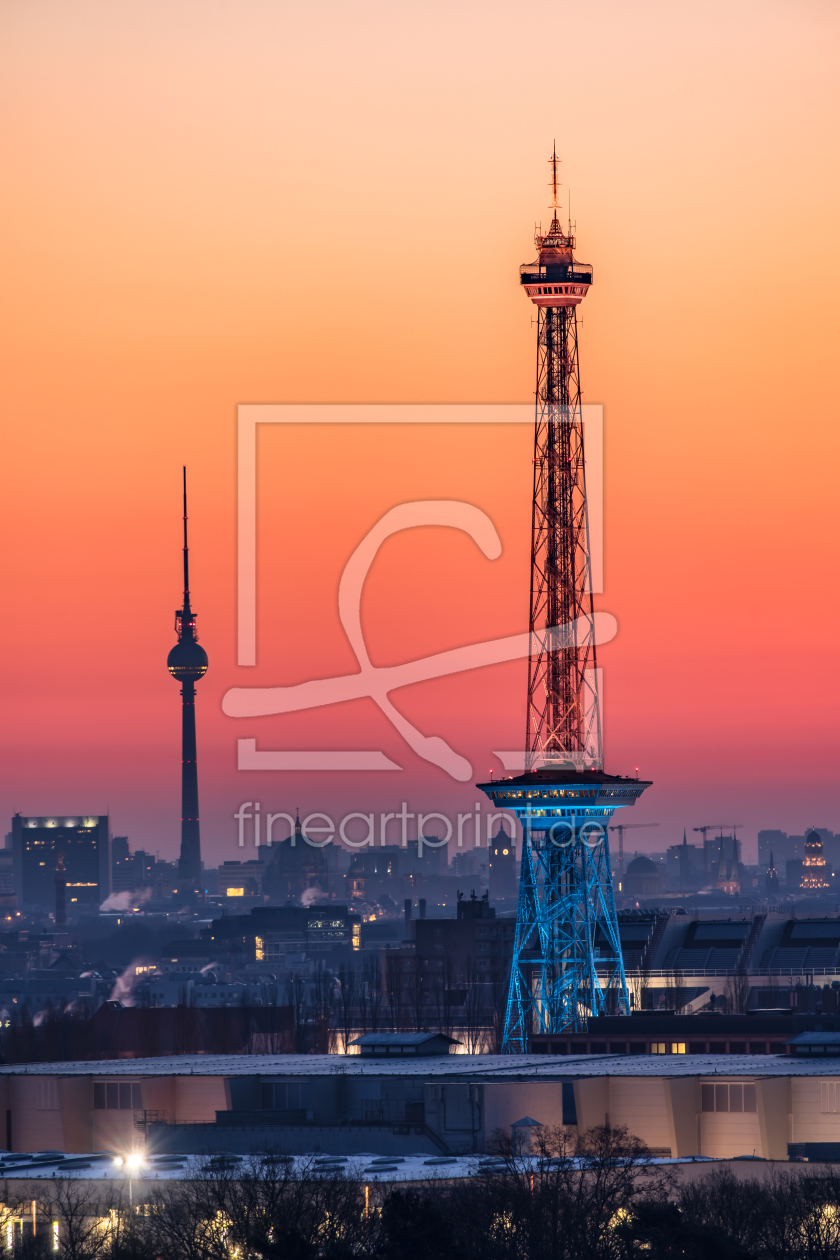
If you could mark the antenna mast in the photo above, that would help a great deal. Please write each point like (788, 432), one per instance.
(186, 549)
(554, 162)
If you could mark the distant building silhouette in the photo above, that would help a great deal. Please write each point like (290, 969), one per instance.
(296, 868)
(643, 878)
(504, 876)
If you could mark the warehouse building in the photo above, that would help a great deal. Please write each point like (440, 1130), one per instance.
(405, 1103)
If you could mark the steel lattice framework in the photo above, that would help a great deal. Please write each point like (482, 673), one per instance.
(563, 718)
(567, 953)
(567, 964)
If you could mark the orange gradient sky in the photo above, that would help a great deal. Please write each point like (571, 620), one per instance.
(212, 203)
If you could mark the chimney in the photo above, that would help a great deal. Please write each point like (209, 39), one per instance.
(421, 906)
(60, 893)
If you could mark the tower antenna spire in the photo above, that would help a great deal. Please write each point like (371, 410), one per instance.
(186, 548)
(554, 162)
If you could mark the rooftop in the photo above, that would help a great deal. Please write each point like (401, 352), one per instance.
(486, 1067)
(370, 1167)
(558, 774)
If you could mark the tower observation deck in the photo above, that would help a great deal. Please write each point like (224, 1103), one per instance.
(567, 963)
(187, 663)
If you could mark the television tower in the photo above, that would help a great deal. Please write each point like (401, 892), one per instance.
(567, 963)
(187, 662)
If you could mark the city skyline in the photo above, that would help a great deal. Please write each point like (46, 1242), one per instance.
(130, 344)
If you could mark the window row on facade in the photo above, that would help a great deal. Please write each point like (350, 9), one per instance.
(117, 1096)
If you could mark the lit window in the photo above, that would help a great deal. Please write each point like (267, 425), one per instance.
(677, 1047)
(236, 892)
(658, 1047)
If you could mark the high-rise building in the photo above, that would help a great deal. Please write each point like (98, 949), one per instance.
(122, 865)
(776, 841)
(564, 800)
(187, 662)
(84, 843)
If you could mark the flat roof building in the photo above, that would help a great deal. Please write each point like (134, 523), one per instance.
(680, 1105)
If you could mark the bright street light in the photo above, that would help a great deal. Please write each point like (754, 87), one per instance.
(131, 1162)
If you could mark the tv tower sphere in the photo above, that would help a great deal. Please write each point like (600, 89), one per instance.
(187, 662)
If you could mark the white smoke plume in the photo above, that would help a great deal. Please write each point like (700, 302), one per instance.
(126, 900)
(123, 990)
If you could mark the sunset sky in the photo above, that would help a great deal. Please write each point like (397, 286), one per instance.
(207, 204)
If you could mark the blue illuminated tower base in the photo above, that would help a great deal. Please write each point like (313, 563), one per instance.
(567, 964)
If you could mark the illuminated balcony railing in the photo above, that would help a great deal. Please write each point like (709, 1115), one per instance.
(571, 273)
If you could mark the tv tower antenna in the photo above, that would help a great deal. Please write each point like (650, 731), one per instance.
(567, 962)
(554, 162)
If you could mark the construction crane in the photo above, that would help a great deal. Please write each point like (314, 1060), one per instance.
(733, 827)
(621, 828)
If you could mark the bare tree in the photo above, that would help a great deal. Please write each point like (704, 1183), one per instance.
(395, 988)
(737, 993)
(77, 1208)
(11, 1207)
(473, 1026)
(443, 995)
(323, 1004)
(416, 994)
(348, 993)
(638, 982)
(272, 1207)
(183, 1221)
(370, 996)
(564, 1203)
(675, 992)
(296, 998)
(186, 1024)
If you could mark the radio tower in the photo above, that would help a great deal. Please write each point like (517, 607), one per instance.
(567, 963)
(187, 662)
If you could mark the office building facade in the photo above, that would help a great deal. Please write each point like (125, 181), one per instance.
(84, 843)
